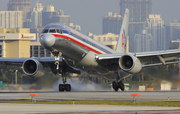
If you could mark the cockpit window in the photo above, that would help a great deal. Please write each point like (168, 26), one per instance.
(59, 31)
(45, 31)
(52, 31)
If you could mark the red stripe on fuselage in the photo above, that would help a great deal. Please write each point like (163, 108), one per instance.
(78, 43)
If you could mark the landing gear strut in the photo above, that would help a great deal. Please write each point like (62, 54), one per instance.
(57, 57)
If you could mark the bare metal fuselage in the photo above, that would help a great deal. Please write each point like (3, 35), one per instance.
(82, 50)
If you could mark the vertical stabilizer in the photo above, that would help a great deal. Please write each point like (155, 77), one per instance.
(121, 43)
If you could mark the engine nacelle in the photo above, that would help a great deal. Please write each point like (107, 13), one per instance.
(130, 64)
(33, 68)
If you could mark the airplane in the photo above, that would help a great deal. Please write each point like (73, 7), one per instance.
(76, 53)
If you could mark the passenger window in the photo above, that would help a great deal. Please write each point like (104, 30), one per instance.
(45, 31)
(52, 31)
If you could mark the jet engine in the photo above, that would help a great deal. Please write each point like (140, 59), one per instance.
(130, 64)
(33, 68)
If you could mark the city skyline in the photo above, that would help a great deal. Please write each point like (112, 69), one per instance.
(90, 19)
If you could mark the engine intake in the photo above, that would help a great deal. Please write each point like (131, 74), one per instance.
(33, 68)
(130, 64)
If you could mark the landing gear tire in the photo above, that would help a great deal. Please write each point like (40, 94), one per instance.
(68, 87)
(118, 85)
(115, 86)
(63, 87)
(121, 85)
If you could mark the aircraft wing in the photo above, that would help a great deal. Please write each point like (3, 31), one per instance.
(159, 57)
(153, 58)
(46, 61)
(19, 61)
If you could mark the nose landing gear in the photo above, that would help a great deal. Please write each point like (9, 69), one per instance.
(64, 72)
(64, 86)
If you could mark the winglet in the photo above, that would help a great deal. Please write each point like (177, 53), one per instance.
(121, 44)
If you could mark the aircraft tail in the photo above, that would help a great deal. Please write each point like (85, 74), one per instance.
(121, 43)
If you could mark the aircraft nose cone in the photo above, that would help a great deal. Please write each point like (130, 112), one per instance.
(47, 40)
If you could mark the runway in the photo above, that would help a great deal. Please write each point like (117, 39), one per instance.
(83, 109)
(102, 95)
(87, 109)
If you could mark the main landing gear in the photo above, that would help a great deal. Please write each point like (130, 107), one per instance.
(63, 71)
(118, 85)
(64, 86)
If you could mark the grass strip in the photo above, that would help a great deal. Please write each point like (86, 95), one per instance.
(99, 102)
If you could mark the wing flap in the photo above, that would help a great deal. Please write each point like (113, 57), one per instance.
(162, 57)
(158, 64)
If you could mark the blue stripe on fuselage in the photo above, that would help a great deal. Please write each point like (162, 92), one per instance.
(86, 41)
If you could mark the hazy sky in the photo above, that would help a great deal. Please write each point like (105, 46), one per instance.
(88, 13)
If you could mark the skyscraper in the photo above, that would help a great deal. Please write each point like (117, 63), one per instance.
(36, 18)
(172, 32)
(49, 15)
(155, 27)
(20, 5)
(60, 17)
(112, 23)
(143, 42)
(11, 19)
(139, 11)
